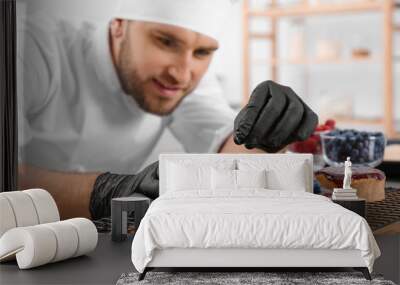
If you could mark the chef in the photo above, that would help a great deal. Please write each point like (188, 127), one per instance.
(96, 98)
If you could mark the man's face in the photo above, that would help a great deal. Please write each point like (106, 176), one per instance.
(157, 64)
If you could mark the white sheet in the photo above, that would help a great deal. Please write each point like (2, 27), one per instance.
(252, 218)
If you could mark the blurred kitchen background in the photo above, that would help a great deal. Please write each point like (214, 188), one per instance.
(341, 56)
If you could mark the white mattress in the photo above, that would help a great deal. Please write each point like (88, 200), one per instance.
(253, 218)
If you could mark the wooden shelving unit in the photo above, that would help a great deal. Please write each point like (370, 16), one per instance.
(315, 61)
(274, 13)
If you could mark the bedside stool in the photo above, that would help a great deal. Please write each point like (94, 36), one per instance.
(121, 208)
(357, 206)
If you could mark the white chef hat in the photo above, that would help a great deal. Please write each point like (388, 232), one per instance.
(203, 16)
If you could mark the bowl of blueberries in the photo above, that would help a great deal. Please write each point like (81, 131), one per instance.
(363, 148)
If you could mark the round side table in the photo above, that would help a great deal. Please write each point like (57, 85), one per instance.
(120, 209)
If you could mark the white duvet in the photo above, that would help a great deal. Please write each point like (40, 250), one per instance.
(250, 218)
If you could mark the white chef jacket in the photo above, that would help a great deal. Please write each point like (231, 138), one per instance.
(73, 115)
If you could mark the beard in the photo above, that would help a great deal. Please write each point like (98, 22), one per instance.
(133, 86)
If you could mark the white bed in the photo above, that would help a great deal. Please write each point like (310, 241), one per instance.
(195, 223)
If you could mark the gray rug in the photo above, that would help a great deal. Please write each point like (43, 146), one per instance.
(230, 278)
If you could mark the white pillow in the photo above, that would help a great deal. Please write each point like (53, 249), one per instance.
(223, 179)
(251, 178)
(226, 179)
(293, 180)
(283, 173)
(188, 177)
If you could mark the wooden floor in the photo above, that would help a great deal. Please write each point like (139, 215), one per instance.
(392, 152)
(391, 229)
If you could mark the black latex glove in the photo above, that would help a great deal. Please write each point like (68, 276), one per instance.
(274, 117)
(109, 185)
